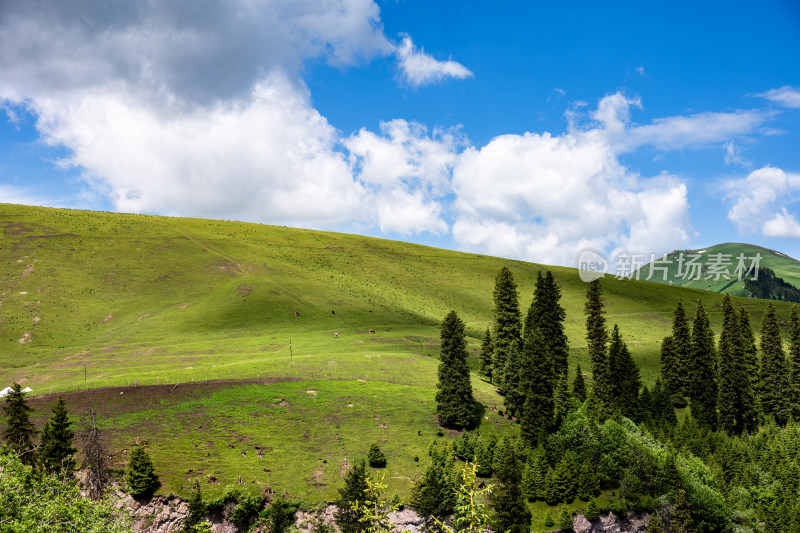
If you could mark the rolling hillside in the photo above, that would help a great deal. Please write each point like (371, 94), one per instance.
(784, 267)
(92, 304)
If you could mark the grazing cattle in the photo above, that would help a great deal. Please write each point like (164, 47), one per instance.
(336, 335)
(372, 331)
(297, 313)
(333, 312)
(244, 454)
(239, 479)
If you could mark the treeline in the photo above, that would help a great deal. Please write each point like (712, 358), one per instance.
(770, 287)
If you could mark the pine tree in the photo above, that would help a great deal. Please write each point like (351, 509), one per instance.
(536, 384)
(703, 387)
(484, 451)
(375, 456)
(565, 520)
(655, 524)
(592, 512)
(563, 405)
(486, 355)
(681, 519)
(19, 430)
(455, 404)
(507, 323)
(197, 508)
(433, 494)
(682, 347)
(579, 386)
(669, 372)
(355, 487)
(140, 475)
(588, 484)
(597, 336)
(774, 376)
(794, 360)
(749, 347)
(736, 402)
(511, 513)
(514, 398)
(56, 450)
(661, 408)
(624, 377)
(547, 314)
(565, 477)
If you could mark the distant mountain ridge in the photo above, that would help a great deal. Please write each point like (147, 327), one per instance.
(736, 268)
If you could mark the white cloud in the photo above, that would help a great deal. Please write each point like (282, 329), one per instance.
(545, 198)
(760, 202)
(785, 96)
(733, 155)
(419, 68)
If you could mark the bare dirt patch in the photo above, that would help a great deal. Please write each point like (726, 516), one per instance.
(108, 317)
(25, 339)
(28, 271)
(245, 290)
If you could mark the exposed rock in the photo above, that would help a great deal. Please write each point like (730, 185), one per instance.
(611, 523)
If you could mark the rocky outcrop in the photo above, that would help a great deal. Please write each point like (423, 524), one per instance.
(611, 523)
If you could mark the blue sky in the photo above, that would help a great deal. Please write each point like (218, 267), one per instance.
(529, 130)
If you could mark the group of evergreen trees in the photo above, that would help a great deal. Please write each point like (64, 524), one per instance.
(55, 453)
(727, 385)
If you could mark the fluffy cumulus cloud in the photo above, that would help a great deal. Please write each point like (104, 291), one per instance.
(761, 203)
(419, 68)
(546, 198)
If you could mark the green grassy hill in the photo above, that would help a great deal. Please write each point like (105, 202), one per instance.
(99, 302)
(784, 267)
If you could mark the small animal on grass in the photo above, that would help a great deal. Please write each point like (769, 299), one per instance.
(333, 312)
(336, 334)
(372, 331)
(297, 313)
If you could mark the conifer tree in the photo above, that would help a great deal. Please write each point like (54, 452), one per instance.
(433, 495)
(56, 450)
(592, 512)
(565, 477)
(562, 400)
(514, 398)
(579, 386)
(669, 372)
(588, 484)
(774, 377)
(354, 490)
(736, 402)
(455, 404)
(547, 314)
(624, 374)
(749, 347)
(597, 336)
(655, 524)
(681, 519)
(19, 430)
(507, 323)
(197, 508)
(794, 360)
(486, 355)
(375, 456)
(484, 452)
(536, 383)
(661, 408)
(682, 348)
(140, 475)
(565, 520)
(511, 513)
(703, 388)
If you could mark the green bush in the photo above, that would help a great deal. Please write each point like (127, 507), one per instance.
(140, 475)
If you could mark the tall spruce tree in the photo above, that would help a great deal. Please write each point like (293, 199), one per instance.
(514, 398)
(750, 349)
(703, 387)
(507, 323)
(547, 314)
(20, 431)
(455, 404)
(681, 519)
(511, 513)
(579, 386)
(597, 336)
(774, 376)
(487, 354)
(57, 452)
(354, 490)
(682, 348)
(794, 360)
(624, 376)
(562, 400)
(669, 373)
(537, 384)
(736, 403)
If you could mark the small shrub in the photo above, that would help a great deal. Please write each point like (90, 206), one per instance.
(376, 457)
(548, 520)
(140, 475)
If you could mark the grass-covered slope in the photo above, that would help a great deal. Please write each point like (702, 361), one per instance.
(91, 300)
(784, 267)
